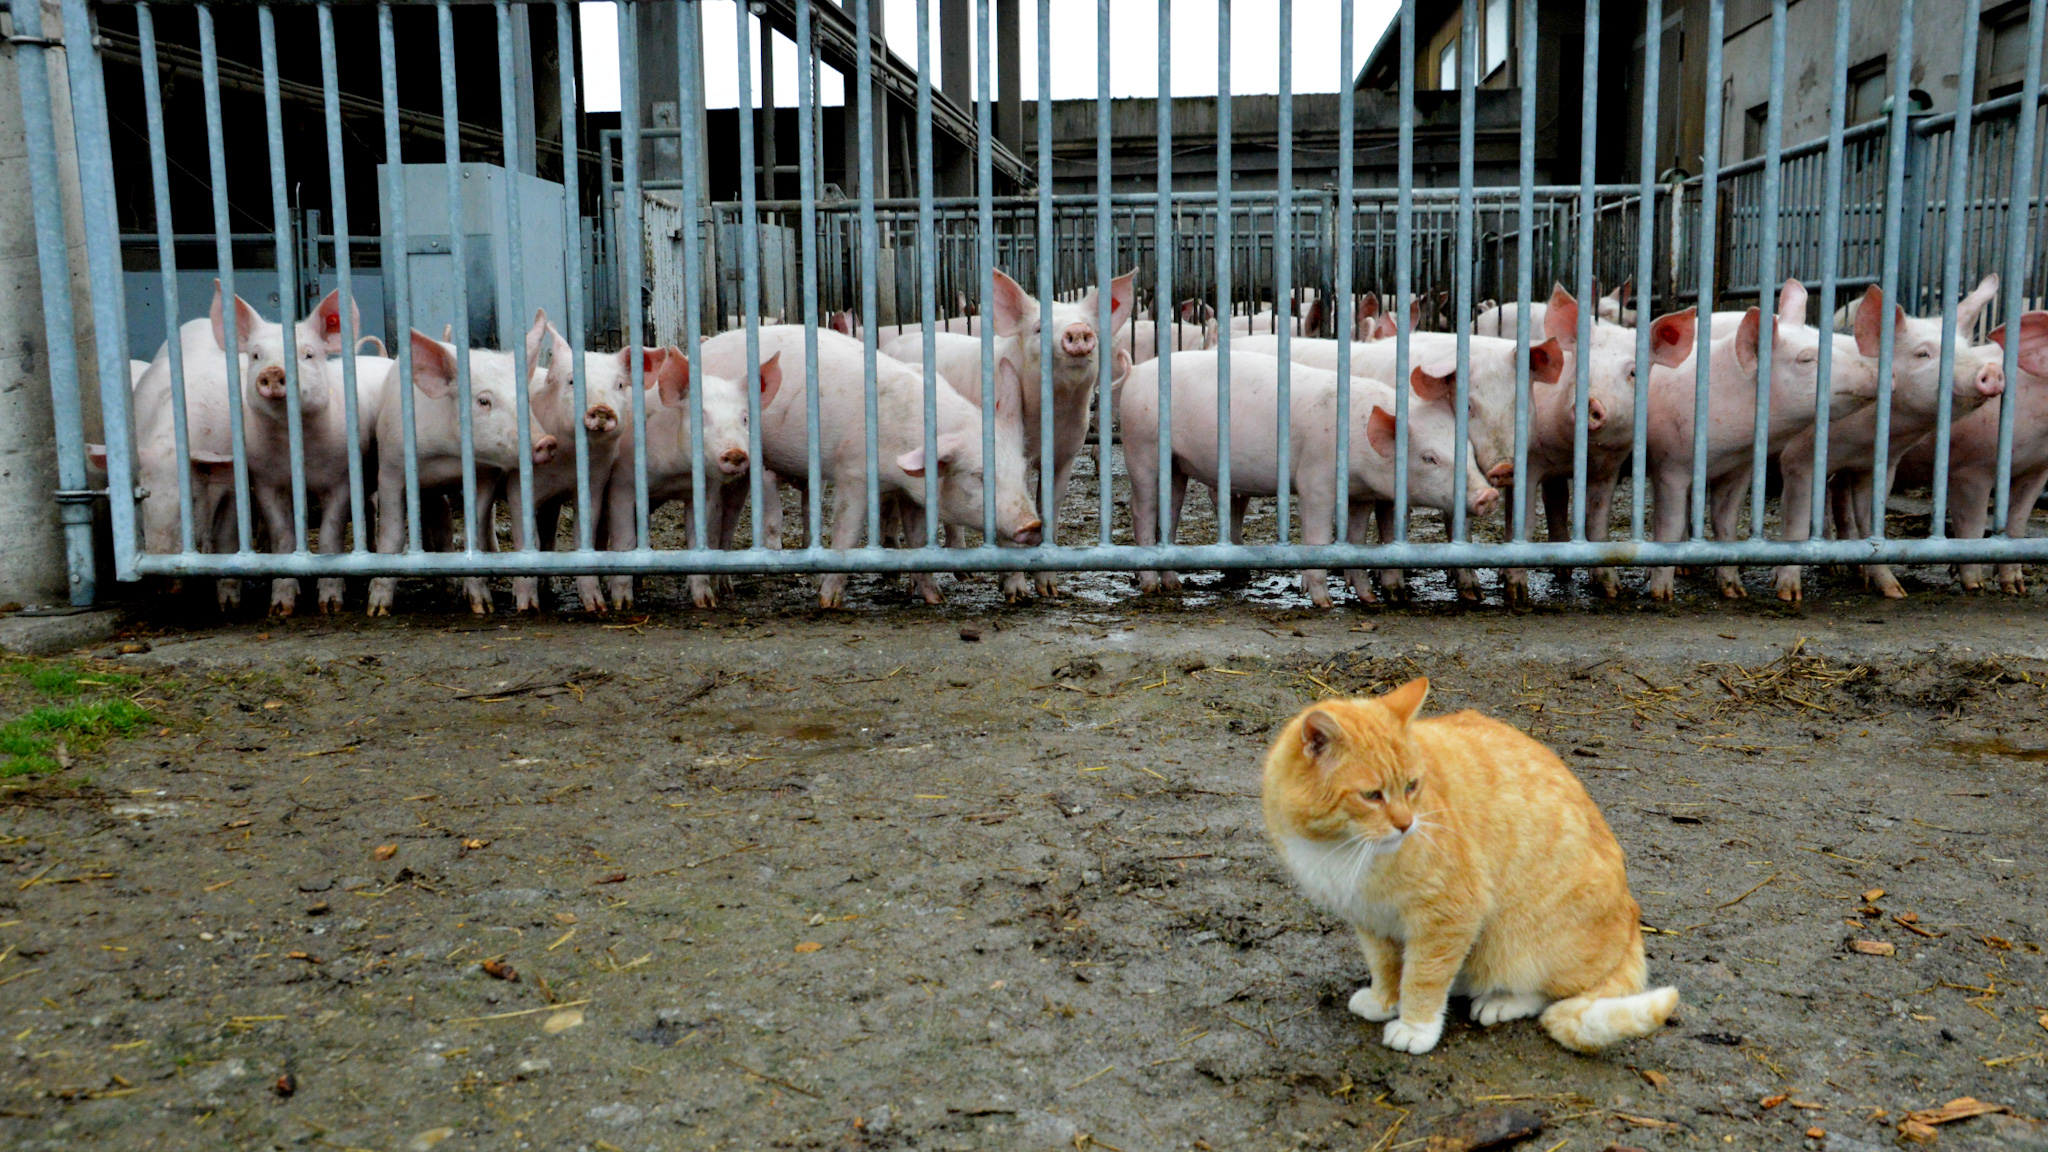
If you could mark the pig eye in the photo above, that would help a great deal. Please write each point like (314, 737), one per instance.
(483, 401)
(1431, 459)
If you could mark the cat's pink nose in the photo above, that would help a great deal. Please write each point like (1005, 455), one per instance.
(1402, 822)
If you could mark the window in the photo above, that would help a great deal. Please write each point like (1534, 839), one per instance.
(2004, 51)
(1447, 65)
(1495, 53)
(1754, 123)
(1867, 91)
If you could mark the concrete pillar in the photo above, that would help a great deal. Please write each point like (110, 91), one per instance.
(525, 91)
(33, 568)
(765, 142)
(880, 106)
(660, 105)
(955, 166)
(1009, 76)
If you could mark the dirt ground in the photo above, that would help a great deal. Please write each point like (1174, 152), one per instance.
(771, 878)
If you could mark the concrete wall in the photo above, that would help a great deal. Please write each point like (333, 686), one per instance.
(32, 564)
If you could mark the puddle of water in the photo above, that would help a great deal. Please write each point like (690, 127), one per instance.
(804, 733)
(2000, 747)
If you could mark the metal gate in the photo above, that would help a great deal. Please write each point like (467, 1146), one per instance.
(257, 477)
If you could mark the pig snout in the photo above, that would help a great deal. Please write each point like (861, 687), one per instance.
(1990, 380)
(1482, 500)
(544, 449)
(601, 418)
(733, 461)
(1078, 340)
(1501, 474)
(1033, 531)
(270, 383)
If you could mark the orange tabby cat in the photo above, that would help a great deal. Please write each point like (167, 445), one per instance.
(1468, 859)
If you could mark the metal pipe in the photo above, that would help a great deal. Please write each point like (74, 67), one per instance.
(159, 178)
(2018, 229)
(1952, 274)
(344, 273)
(1767, 270)
(475, 520)
(1223, 271)
(808, 162)
(1589, 136)
(224, 288)
(1646, 221)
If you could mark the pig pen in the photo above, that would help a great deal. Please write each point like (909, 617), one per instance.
(994, 877)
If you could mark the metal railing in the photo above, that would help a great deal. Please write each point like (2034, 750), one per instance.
(220, 468)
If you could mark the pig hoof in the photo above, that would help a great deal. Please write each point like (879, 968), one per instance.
(229, 594)
(961, 576)
(1170, 581)
(703, 592)
(1788, 588)
(2013, 587)
(1016, 588)
(1049, 586)
(1148, 583)
(1892, 591)
(1733, 590)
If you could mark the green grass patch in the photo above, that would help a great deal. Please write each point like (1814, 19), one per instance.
(91, 713)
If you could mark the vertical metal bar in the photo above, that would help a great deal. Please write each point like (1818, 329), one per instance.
(1830, 260)
(287, 277)
(59, 322)
(167, 259)
(458, 248)
(1589, 305)
(1952, 272)
(1646, 224)
(807, 172)
(103, 258)
(578, 282)
(1223, 273)
(224, 262)
(1894, 209)
(1709, 214)
(1162, 243)
(1347, 208)
(396, 242)
(1525, 259)
(1468, 81)
(928, 269)
(1283, 277)
(1048, 511)
(1105, 243)
(632, 242)
(512, 329)
(870, 257)
(750, 261)
(2019, 227)
(344, 260)
(1404, 263)
(1767, 270)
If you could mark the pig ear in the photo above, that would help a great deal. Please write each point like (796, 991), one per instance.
(1120, 296)
(1792, 302)
(1622, 293)
(912, 462)
(1973, 304)
(1672, 336)
(1434, 382)
(671, 377)
(1746, 337)
(1369, 306)
(1014, 308)
(1415, 315)
(2033, 342)
(96, 455)
(1387, 328)
(1869, 322)
(1379, 431)
(1546, 362)
(1313, 322)
(771, 379)
(1561, 318)
(842, 323)
(220, 332)
(535, 335)
(1406, 700)
(1009, 393)
(433, 367)
(561, 359)
(325, 322)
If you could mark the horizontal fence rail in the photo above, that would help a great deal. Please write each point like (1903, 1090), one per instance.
(396, 304)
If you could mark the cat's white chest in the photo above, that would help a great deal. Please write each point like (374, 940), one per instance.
(1344, 882)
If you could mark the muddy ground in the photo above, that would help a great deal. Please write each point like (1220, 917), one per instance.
(770, 878)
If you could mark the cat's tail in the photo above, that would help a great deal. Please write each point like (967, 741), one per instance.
(1589, 1023)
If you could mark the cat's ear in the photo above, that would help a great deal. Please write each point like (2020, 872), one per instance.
(1321, 735)
(1406, 700)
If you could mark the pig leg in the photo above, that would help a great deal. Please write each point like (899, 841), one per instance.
(1668, 488)
(1359, 579)
(1599, 506)
(482, 529)
(2026, 489)
(1393, 581)
(220, 515)
(1557, 515)
(1239, 505)
(525, 589)
(1969, 500)
(849, 505)
(922, 584)
(1727, 500)
(275, 508)
(1176, 499)
(334, 507)
(1877, 575)
(1795, 506)
(1144, 508)
(1318, 527)
(390, 534)
(621, 534)
(1062, 475)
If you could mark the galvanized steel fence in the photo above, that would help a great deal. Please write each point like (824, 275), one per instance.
(1894, 204)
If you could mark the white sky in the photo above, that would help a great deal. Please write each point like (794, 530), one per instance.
(1134, 65)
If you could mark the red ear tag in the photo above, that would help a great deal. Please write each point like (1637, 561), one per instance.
(334, 321)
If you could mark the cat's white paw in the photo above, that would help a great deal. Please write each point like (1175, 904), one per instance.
(1501, 1007)
(1368, 1003)
(1402, 1036)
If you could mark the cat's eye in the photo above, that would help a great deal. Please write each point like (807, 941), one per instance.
(1373, 797)
(1412, 786)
